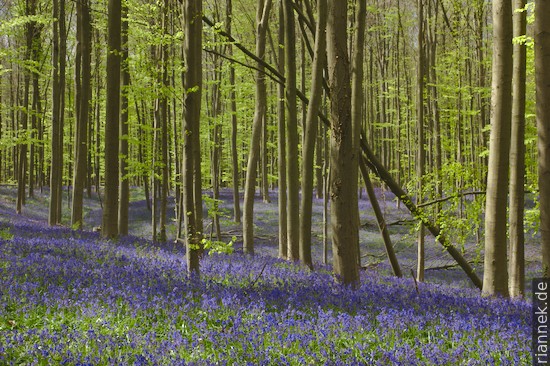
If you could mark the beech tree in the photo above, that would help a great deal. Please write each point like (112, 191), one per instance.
(343, 160)
(83, 111)
(495, 276)
(109, 226)
(542, 75)
(517, 156)
(262, 16)
(58, 106)
(310, 134)
(192, 188)
(292, 172)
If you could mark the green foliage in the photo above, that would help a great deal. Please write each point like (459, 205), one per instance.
(219, 247)
(6, 234)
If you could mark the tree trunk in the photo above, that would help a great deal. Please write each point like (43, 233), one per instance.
(124, 188)
(281, 136)
(192, 197)
(233, 96)
(380, 220)
(310, 134)
(374, 164)
(164, 129)
(542, 77)
(495, 277)
(83, 110)
(34, 174)
(109, 227)
(262, 16)
(292, 172)
(421, 141)
(357, 96)
(343, 160)
(56, 148)
(517, 158)
(30, 10)
(62, 83)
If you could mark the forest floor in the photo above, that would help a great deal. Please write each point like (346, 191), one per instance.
(440, 267)
(69, 297)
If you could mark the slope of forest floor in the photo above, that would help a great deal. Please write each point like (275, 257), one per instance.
(440, 267)
(69, 297)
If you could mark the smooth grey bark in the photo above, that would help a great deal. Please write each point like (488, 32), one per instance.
(192, 195)
(233, 97)
(281, 135)
(495, 276)
(30, 10)
(109, 226)
(542, 80)
(56, 147)
(292, 171)
(421, 154)
(357, 95)
(124, 188)
(83, 110)
(262, 17)
(163, 104)
(517, 157)
(380, 220)
(310, 134)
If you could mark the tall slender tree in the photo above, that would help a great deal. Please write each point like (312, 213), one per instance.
(517, 156)
(357, 95)
(262, 17)
(421, 155)
(109, 227)
(495, 276)
(124, 184)
(56, 165)
(83, 111)
(30, 10)
(310, 134)
(192, 195)
(292, 172)
(343, 160)
(281, 135)
(233, 96)
(542, 76)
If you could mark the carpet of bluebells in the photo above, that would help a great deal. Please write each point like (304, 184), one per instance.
(68, 297)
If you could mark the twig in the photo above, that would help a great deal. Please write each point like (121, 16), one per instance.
(415, 283)
(259, 275)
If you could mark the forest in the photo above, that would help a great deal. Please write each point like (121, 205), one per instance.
(273, 182)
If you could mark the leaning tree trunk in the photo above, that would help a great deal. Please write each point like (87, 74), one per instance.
(542, 75)
(343, 160)
(495, 276)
